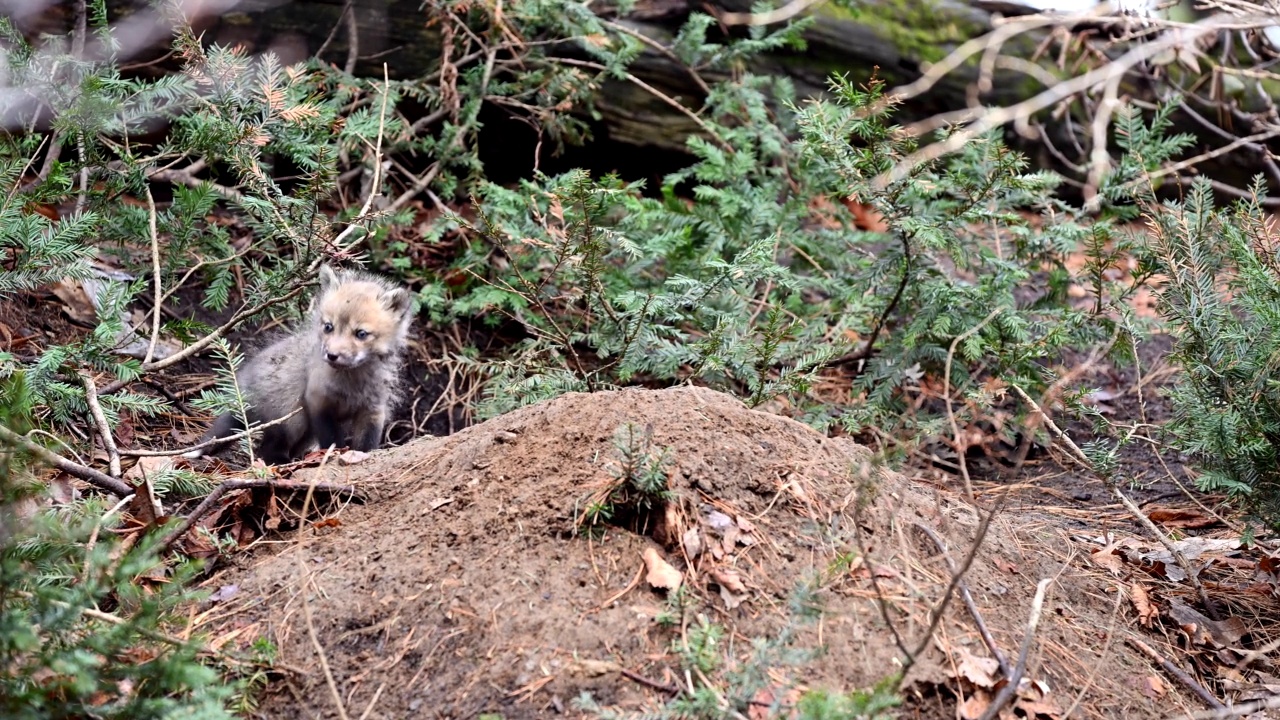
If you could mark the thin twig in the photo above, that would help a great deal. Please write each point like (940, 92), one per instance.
(883, 318)
(776, 15)
(155, 271)
(212, 441)
(968, 601)
(667, 99)
(376, 183)
(369, 708)
(998, 117)
(1097, 666)
(1129, 504)
(227, 486)
(100, 419)
(186, 177)
(669, 689)
(946, 394)
(1179, 674)
(353, 40)
(205, 341)
(1008, 691)
(1231, 711)
(98, 479)
(957, 576)
(93, 536)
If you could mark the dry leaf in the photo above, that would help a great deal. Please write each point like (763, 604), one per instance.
(1180, 518)
(1142, 603)
(62, 490)
(147, 467)
(661, 574)
(352, 457)
(729, 579)
(980, 671)
(1107, 559)
(719, 521)
(1191, 548)
(975, 707)
(1221, 633)
(1152, 686)
(1005, 565)
(730, 542)
(730, 600)
(327, 523)
(224, 593)
(76, 301)
(692, 543)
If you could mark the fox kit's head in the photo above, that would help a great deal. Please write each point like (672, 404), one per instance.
(361, 317)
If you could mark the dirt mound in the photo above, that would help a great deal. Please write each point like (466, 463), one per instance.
(471, 585)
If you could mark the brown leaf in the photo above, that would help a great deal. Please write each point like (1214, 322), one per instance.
(975, 707)
(980, 671)
(1192, 548)
(1204, 631)
(1181, 518)
(327, 523)
(273, 513)
(76, 301)
(1107, 559)
(147, 467)
(730, 542)
(1152, 686)
(62, 490)
(661, 574)
(1142, 603)
(728, 578)
(1005, 565)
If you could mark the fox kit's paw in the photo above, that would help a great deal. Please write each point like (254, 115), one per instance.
(194, 454)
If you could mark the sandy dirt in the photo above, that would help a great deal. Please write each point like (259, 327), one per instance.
(468, 583)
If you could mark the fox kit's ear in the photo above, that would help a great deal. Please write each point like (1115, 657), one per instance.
(328, 279)
(398, 301)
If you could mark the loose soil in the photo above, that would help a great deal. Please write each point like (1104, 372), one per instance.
(467, 585)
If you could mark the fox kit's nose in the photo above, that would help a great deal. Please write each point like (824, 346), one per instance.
(331, 356)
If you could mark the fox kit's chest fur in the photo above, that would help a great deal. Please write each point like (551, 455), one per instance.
(361, 322)
(342, 367)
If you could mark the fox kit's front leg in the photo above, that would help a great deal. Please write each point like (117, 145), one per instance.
(366, 432)
(325, 427)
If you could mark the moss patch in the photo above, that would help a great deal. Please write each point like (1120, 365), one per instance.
(923, 30)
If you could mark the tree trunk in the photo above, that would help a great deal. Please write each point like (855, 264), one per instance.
(894, 37)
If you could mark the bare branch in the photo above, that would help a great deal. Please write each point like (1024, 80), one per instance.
(98, 479)
(100, 419)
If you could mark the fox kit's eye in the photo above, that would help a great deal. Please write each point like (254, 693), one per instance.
(362, 334)
(328, 327)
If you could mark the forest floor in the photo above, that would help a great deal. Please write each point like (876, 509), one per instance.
(471, 580)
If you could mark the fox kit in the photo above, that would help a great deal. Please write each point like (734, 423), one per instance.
(342, 367)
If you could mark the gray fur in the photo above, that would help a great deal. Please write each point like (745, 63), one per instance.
(347, 406)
